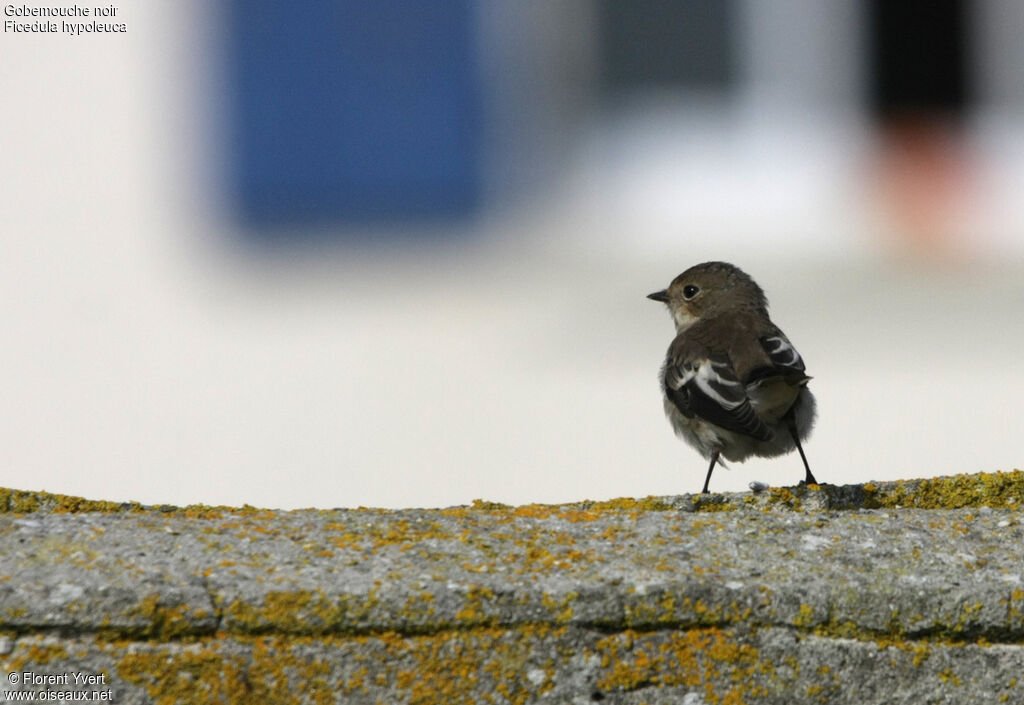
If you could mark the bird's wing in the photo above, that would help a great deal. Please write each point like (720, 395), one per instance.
(783, 361)
(782, 352)
(707, 386)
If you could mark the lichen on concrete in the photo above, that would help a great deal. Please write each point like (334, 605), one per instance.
(899, 592)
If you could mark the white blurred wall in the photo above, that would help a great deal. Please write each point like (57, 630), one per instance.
(145, 355)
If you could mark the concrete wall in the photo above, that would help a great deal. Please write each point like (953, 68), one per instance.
(906, 592)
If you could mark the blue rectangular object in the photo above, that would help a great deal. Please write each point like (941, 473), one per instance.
(345, 110)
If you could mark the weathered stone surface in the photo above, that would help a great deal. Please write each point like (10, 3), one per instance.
(890, 593)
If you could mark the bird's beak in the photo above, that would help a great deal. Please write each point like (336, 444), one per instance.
(661, 296)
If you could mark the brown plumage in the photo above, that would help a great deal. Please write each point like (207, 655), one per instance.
(733, 384)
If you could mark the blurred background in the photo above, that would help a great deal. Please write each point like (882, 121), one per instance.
(392, 254)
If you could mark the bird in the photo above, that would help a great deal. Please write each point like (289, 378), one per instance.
(733, 384)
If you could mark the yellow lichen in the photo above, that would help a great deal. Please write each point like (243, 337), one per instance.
(163, 621)
(452, 666)
(24, 502)
(561, 611)
(693, 658)
(805, 617)
(474, 607)
(37, 654)
(997, 490)
(298, 612)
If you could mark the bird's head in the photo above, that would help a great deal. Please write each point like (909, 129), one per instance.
(708, 290)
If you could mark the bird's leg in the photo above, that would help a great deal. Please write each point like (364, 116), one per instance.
(714, 459)
(809, 478)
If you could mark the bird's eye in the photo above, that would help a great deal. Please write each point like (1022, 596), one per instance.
(689, 291)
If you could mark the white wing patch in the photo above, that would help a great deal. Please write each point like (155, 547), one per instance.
(707, 388)
(718, 382)
(782, 352)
